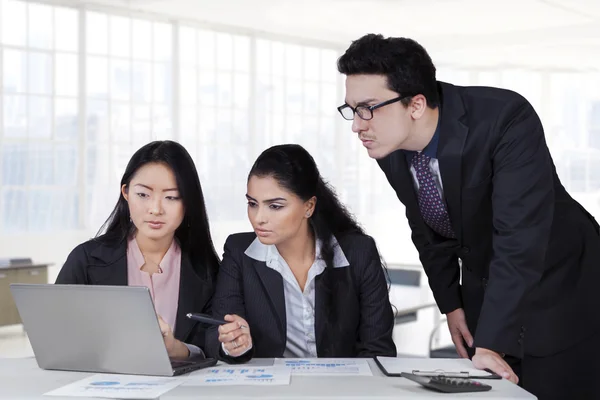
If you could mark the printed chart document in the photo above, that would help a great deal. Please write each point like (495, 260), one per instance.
(239, 376)
(118, 387)
(326, 366)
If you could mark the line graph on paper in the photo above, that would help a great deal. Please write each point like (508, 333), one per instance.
(239, 376)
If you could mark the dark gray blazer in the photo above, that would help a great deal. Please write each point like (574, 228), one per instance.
(353, 315)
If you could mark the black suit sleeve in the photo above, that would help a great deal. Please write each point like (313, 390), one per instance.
(523, 208)
(198, 335)
(376, 316)
(73, 272)
(228, 299)
(441, 267)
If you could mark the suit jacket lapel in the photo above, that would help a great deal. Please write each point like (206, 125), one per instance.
(272, 283)
(453, 134)
(405, 182)
(110, 267)
(194, 294)
(402, 181)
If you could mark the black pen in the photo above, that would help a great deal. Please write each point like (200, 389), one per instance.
(207, 319)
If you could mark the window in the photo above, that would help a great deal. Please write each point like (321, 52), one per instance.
(526, 82)
(235, 102)
(81, 90)
(128, 100)
(488, 78)
(573, 126)
(77, 101)
(594, 125)
(296, 100)
(40, 117)
(214, 83)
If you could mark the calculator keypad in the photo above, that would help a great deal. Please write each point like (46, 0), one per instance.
(449, 385)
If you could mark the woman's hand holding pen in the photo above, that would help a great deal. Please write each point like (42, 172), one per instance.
(235, 335)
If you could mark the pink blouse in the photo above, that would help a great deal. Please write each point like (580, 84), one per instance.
(164, 285)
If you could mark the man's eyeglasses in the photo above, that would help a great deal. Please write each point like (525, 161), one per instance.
(366, 112)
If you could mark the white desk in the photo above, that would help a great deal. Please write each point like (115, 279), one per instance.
(21, 379)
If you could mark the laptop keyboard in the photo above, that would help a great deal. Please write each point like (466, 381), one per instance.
(178, 364)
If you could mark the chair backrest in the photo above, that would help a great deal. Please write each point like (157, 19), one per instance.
(405, 282)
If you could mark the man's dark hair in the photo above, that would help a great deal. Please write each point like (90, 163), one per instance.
(404, 62)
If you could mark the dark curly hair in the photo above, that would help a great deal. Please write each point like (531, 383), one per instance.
(404, 62)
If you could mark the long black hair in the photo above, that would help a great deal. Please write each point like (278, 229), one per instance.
(193, 234)
(295, 170)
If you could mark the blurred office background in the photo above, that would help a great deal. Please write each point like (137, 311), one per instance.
(83, 84)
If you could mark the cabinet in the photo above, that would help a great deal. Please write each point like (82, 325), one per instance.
(17, 274)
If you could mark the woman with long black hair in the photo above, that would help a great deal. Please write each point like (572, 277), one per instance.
(308, 282)
(157, 236)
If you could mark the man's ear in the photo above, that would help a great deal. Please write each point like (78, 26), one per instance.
(418, 106)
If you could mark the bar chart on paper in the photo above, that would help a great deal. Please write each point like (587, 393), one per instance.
(118, 387)
(239, 376)
(326, 366)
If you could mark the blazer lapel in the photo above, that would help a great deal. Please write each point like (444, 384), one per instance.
(402, 181)
(453, 134)
(194, 294)
(110, 266)
(405, 181)
(272, 283)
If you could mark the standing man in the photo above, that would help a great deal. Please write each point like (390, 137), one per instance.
(472, 168)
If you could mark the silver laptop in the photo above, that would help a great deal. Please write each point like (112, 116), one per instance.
(109, 329)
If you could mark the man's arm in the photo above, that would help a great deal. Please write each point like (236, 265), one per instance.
(523, 208)
(443, 272)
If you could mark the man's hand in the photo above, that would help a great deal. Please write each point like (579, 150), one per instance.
(488, 359)
(457, 324)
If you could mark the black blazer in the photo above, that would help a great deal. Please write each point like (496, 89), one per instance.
(103, 261)
(530, 253)
(252, 290)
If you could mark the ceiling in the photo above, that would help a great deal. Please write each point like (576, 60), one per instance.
(538, 33)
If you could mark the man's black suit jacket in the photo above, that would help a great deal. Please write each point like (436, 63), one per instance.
(530, 253)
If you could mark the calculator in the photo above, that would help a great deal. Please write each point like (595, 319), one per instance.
(448, 385)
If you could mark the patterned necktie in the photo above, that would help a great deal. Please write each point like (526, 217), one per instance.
(433, 209)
